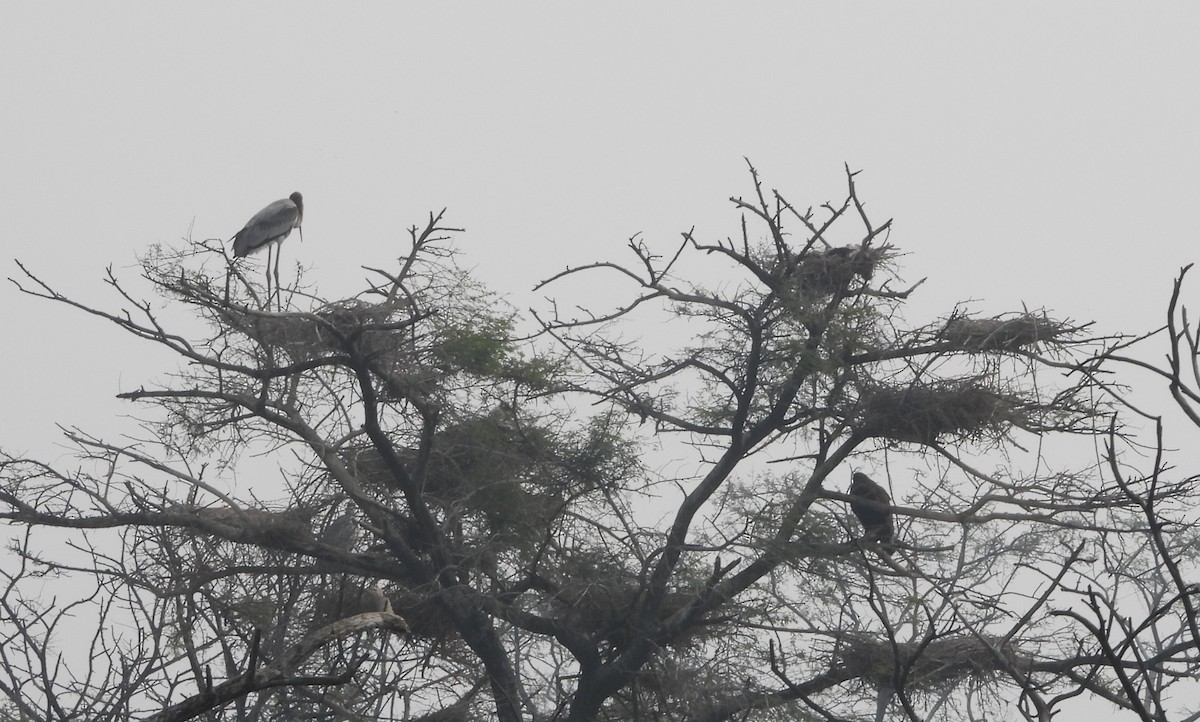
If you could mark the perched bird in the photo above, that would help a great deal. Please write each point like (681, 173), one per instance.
(342, 531)
(873, 507)
(377, 600)
(347, 598)
(270, 226)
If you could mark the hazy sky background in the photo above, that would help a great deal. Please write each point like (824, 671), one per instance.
(1039, 154)
(1031, 153)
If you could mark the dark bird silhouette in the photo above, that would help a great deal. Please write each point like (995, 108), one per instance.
(873, 507)
(268, 227)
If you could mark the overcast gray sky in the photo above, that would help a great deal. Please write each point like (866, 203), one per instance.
(1031, 153)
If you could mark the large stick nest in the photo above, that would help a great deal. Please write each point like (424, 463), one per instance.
(1001, 333)
(599, 596)
(334, 328)
(923, 413)
(822, 273)
(940, 664)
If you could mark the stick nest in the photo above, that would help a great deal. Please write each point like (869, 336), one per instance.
(940, 664)
(334, 328)
(823, 273)
(921, 414)
(1000, 333)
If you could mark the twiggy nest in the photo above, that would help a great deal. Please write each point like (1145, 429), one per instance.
(599, 596)
(331, 329)
(368, 466)
(822, 273)
(601, 602)
(402, 378)
(1003, 334)
(449, 714)
(922, 414)
(928, 667)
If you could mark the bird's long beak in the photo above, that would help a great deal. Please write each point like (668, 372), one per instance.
(301, 229)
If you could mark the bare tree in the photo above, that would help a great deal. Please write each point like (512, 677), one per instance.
(480, 520)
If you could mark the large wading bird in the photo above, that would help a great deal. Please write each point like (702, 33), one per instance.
(269, 227)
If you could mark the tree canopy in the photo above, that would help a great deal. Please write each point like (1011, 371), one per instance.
(418, 503)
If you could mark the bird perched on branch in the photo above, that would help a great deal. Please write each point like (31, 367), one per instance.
(341, 532)
(268, 227)
(873, 507)
(377, 600)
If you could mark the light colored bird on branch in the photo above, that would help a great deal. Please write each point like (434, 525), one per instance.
(378, 600)
(269, 227)
(342, 531)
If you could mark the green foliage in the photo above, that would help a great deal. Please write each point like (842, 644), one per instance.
(480, 349)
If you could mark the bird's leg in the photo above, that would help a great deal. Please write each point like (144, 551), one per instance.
(278, 294)
(268, 276)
